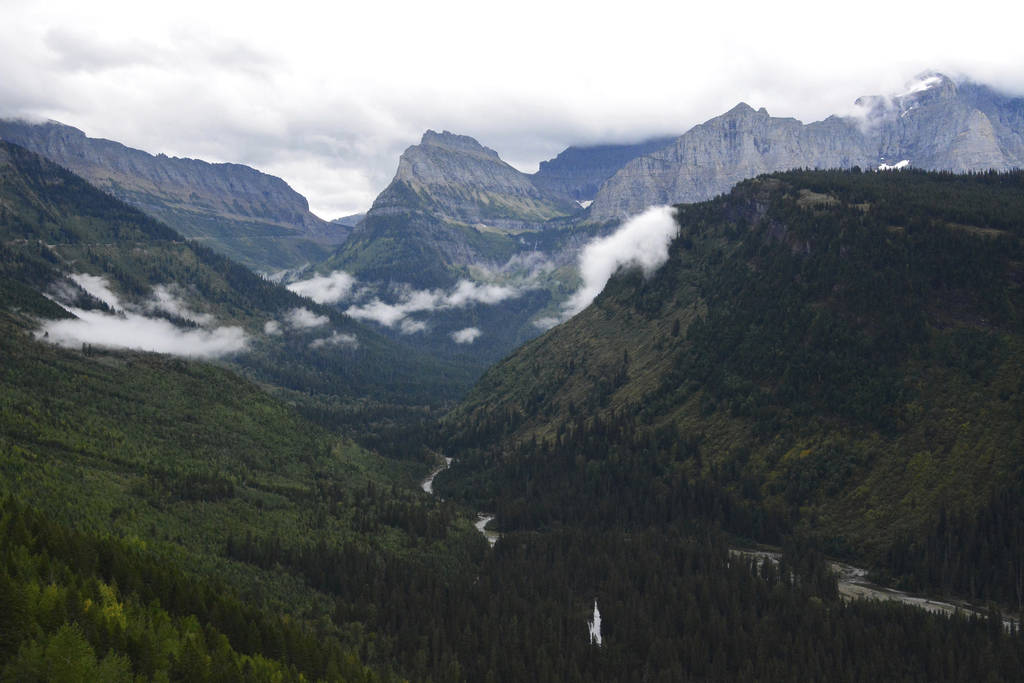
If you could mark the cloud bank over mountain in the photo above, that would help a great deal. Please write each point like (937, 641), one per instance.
(277, 91)
(325, 289)
(403, 301)
(127, 326)
(133, 331)
(641, 242)
(412, 301)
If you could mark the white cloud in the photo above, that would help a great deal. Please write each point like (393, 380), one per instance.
(920, 85)
(467, 335)
(304, 319)
(272, 328)
(129, 328)
(387, 315)
(642, 241)
(133, 331)
(411, 301)
(98, 287)
(336, 339)
(529, 265)
(410, 326)
(166, 301)
(163, 299)
(325, 289)
(467, 292)
(546, 323)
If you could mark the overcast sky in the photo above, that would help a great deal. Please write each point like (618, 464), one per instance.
(327, 98)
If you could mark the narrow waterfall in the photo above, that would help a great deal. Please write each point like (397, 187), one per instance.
(595, 627)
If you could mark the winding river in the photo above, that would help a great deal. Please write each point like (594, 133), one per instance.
(853, 584)
(481, 526)
(428, 483)
(482, 519)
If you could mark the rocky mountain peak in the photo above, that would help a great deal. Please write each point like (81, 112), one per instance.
(744, 110)
(929, 85)
(457, 143)
(466, 182)
(446, 158)
(925, 88)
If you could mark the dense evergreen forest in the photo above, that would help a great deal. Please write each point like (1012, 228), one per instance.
(164, 518)
(836, 355)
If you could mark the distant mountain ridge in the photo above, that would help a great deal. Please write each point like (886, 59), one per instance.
(712, 157)
(455, 211)
(935, 124)
(252, 216)
(579, 171)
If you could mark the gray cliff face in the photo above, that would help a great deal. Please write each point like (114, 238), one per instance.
(578, 172)
(458, 179)
(712, 157)
(236, 208)
(935, 125)
(949, 128)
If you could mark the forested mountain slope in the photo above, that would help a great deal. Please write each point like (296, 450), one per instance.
(833, 354)
(165, 518)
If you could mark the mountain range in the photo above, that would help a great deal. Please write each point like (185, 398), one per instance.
(935, 124)
(455, 211)
(456, 215)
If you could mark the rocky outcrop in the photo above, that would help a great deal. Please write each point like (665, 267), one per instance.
(935, 124)
(235, 208)
(579, 171)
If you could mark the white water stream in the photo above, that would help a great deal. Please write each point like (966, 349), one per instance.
(481, 526)
(481, 519)
(428, 483)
